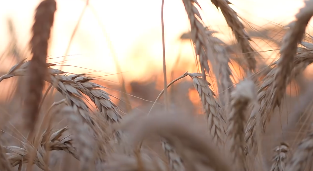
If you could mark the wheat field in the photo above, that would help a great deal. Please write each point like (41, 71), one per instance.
(251, 114)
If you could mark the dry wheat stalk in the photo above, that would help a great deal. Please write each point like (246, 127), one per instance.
(20, 155)
(221, 68)
(302, 156)
(241, 97)
(176, 162)
(288, 52)
(4, 163)
(301, 61)
(280, 158)
(211, 107)
(191, 143)
(238, 30)
(198, 36)
(37, 68)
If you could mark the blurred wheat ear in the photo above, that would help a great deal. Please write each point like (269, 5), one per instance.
(37, 70)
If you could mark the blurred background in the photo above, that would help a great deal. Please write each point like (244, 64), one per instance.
(123, 38)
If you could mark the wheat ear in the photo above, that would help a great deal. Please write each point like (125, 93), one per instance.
(202, 47)
(287, 54)
(238, 29)
(211, 107)
(243, 94)
(176, 162)
(44, 18)
(280, 158)
(302, 155)
(301, 61)
(72, 87)
(221, 68)
(19, 155)
(83, 139)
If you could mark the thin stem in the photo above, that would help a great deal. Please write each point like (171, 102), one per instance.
(73, 34)
(164, 62)
(184, 75)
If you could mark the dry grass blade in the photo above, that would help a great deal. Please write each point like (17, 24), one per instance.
(198, 36)
(211, 107)
(44, 18)
(238, 30)
(243, 94)
(280, 158)
(190, 143)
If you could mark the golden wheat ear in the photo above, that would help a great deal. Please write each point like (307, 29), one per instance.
(37, 69)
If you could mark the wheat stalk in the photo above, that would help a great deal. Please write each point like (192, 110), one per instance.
(238, 30)
(280, 158)
(37, 68)
(241, 97)
(211, 107)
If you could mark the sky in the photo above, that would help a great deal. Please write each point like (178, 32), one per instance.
(131, 31)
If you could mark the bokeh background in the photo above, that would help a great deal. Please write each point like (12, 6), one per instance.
(121, 39)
